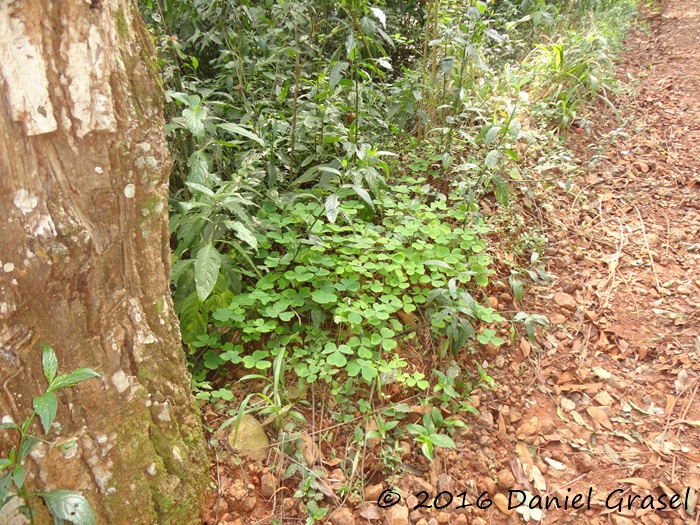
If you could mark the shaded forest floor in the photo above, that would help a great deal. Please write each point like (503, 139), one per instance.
(607, 405)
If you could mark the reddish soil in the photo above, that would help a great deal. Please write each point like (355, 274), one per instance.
(606, 401)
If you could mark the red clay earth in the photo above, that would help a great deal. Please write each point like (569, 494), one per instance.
(606, 403)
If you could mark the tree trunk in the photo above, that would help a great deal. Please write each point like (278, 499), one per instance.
(85, 260)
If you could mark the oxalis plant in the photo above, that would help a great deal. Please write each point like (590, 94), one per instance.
(66, 506)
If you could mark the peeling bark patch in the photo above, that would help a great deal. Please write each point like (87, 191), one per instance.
(24, 200)
(23, 68)
(88, 74)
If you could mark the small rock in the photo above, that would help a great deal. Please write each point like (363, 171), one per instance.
(515, 415)
(442, 517)
(621, 520)
(268, 484)
(565, 300)
(546, 425)
(493, 303)
(499, 361)
(406, 449)
(251, 438)
(461, 519)
(288, 504)
(309, 450)
(490, 486)
(528, 428)
(342, 516)
(397, 515)
(372, 492)
(584, 463)
(567, 404)
(337, 476)
(653, 240)
(249, 503)
(422, 521)
(506, 480)
(603, 398)
(557, 319)
(502, 503)
(486, 419)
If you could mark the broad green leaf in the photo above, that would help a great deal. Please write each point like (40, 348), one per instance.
(362, 193)
(337, 359)
(441, 440)
(29, 443)
(45, 407)
(337, 73)
(49, 361)
(238, 130)
(243, 233)
(194, 119)
(199, 167)
(324, 297)
(68, 505)
(206, 270)
(492, 158)
(75, 377)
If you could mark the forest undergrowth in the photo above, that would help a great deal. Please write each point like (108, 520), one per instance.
(351, 206)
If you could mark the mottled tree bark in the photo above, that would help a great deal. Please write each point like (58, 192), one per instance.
(84, 259)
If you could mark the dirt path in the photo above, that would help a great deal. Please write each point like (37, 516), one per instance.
(613, 402)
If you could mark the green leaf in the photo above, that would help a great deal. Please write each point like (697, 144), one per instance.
(68, 505)
(238, 130)
(362, 193)
(194, 119)
(29, 443)
(337, 73)
(72, 379)
(243, 233)
(324, 297)
(206, 270)
(49, 361)
(332, 203)
(441, 440)
(492, 158)
(18, 476)
(354, 318)
(45, 406)
(337, 359)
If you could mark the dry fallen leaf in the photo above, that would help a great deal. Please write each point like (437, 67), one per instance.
(640, 482)
(599, 416)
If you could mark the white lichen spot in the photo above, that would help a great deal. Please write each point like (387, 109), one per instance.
(7, 420)
(151, 469)
(25, 201)
(158, 208)
(145, 146)
(139, 163)
(8, 267)
(148, 403)
(176, 455)
(44, 227)
(164, 414)
(23, 67)
(145, 212)
(98, 169)
(129, 191)
(151, 162)
(120, 381)
(102, 439)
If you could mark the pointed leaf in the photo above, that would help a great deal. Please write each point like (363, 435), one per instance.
(70, 506)
(206, 270)
(45, 407)
(75, 377)
(49, 361)
(337, 73)
(492, 158)
(332, 203)
(239, 130)
(441, 440)
(194, 119)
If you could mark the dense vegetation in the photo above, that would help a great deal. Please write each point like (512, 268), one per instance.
(333, 160)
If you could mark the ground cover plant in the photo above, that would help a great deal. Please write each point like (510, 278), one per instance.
(337, 168)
